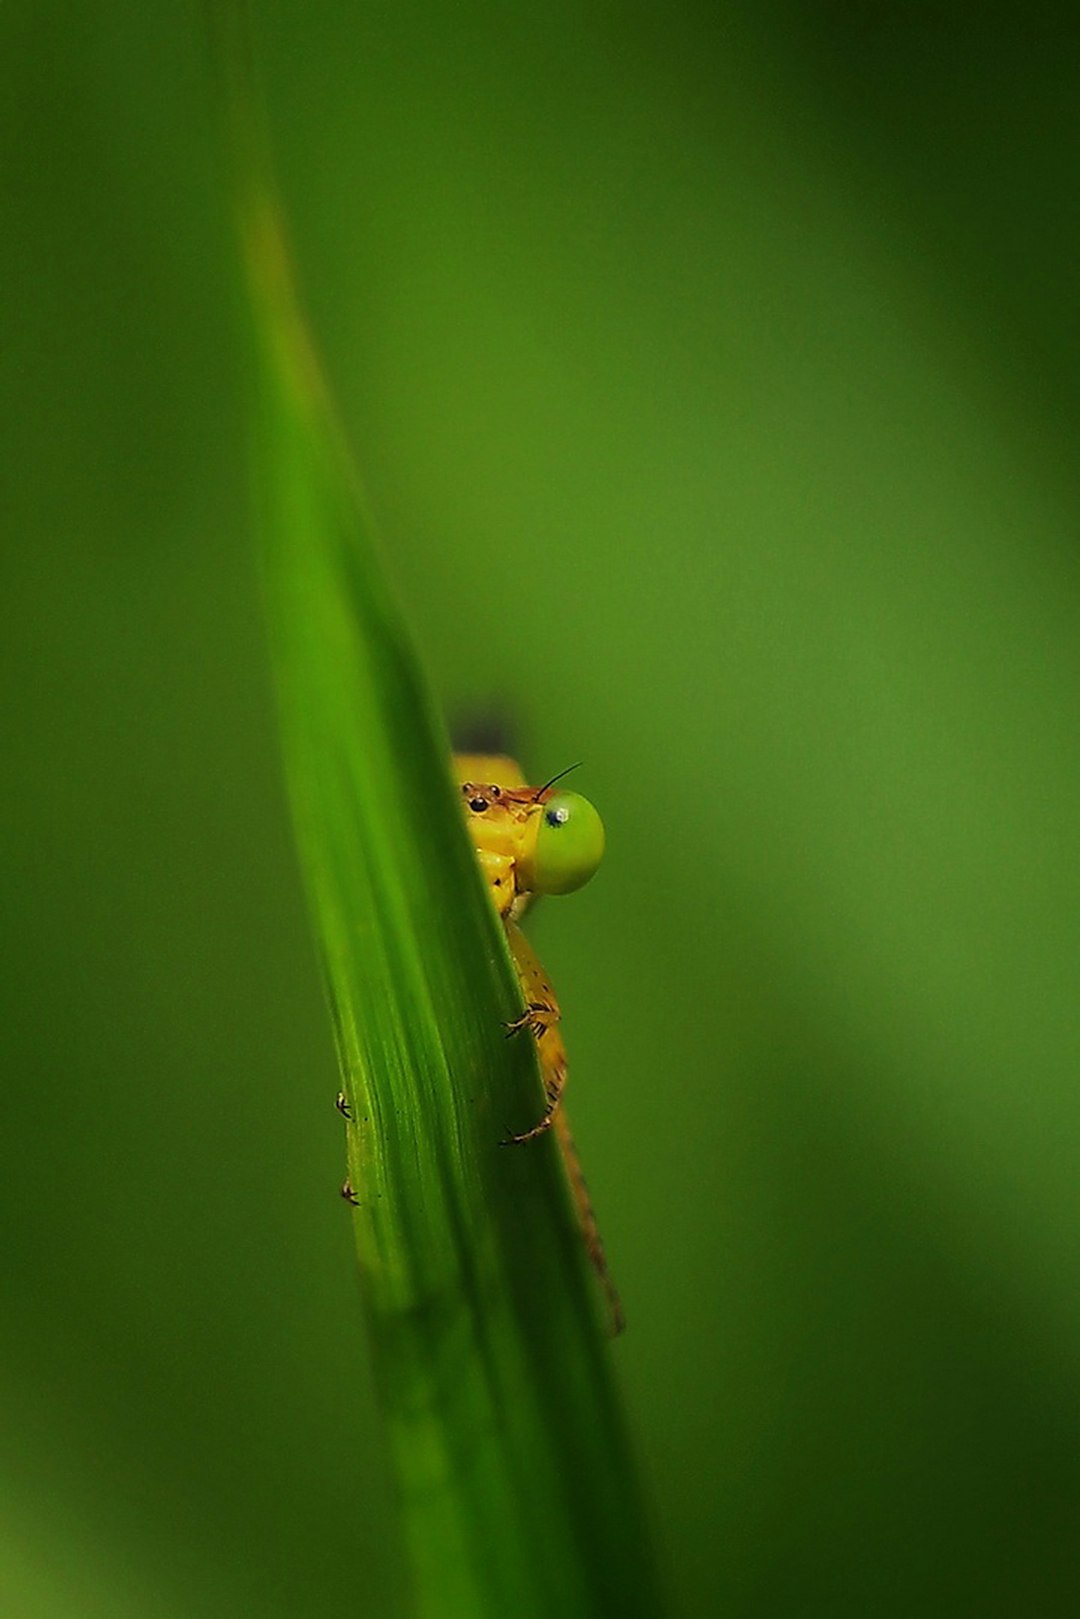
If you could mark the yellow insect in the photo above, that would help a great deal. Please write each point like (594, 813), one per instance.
(531, 841)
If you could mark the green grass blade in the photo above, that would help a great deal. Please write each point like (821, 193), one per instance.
(518, 1491)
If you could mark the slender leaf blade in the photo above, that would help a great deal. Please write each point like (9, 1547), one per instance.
(517, 1485)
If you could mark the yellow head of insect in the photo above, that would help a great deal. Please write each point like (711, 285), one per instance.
(564, 845)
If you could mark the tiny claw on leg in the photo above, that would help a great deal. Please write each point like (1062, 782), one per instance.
(349, 1195)
(342, 1105)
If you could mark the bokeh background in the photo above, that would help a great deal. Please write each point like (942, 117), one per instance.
(713, 370)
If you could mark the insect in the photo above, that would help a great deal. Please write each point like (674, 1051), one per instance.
(531, 841)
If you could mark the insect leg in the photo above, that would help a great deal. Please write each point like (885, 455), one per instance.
(542, 1016)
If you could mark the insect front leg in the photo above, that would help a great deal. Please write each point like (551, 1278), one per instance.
(541, 1016)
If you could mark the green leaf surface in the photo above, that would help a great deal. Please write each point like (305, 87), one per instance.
(490, 1349)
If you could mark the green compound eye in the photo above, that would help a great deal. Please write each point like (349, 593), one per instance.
(569, 845)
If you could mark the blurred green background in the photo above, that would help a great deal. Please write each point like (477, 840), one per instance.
(714, 375)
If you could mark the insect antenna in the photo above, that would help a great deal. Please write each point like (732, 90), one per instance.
(540, 791)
